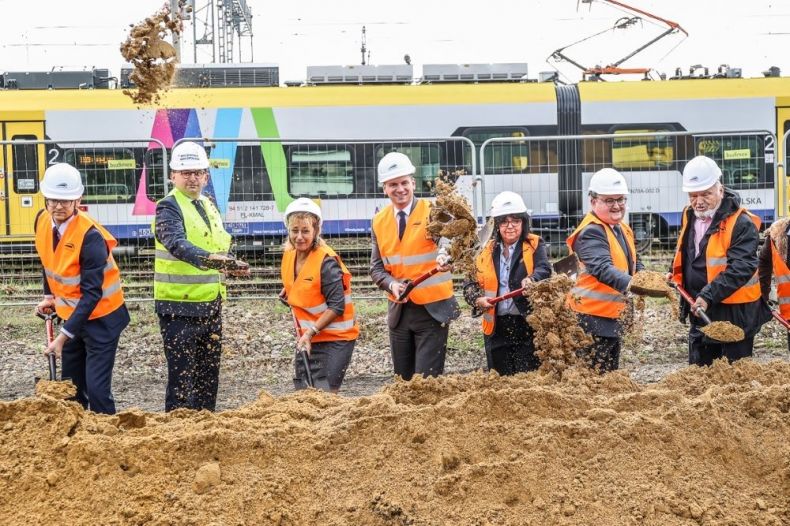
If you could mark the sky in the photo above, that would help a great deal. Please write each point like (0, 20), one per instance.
(40, 35)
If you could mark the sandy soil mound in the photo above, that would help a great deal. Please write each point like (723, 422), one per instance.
(705, 446)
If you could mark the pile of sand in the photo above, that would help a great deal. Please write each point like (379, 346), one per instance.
(704, 446)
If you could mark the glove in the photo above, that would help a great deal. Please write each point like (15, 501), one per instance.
(442, 257)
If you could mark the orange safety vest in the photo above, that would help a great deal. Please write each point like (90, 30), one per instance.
(716, 256)
(62, 266)
(590, 296)
(486, 275)
(412, 256)
(782, 276)
(305, 298)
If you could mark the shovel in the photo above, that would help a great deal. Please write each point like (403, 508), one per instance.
(304, 372)
(713, 335)
(567, 265)
(780, 319)
(49, 322)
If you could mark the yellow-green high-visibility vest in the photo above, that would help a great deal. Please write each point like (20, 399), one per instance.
(176, 280)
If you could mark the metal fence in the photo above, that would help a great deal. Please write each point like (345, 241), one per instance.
(553, 173)
(253, 180)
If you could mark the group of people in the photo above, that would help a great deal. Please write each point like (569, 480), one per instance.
(716, 261)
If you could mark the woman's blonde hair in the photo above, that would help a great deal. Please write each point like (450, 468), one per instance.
(313, 220)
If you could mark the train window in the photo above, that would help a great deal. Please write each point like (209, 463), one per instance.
(155, 185)
(109, 174)
(426, 157)
(740, 157)
(25, 165)
(502, 158)
(250, 178)
(642, 153)
(320, 170)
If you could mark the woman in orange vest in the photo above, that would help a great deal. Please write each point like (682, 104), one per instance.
(511, 260)
(716, 262)
(82, 285)
(607, 256)
(775, 262)
(317, 287)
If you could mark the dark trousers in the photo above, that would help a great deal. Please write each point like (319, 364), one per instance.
(418, 343)
(510, 349)
(703, 352)
(603, 355)
(87, 360)
(192, 347)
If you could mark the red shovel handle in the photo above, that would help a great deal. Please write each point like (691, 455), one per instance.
(416, 281)
(686, 296)
(503, 297)
(781, 320)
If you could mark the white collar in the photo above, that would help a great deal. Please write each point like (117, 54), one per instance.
(64, 225)
(406, 209)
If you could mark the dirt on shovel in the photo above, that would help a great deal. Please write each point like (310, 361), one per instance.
(452, 217)
(723, 331)
(650, 283)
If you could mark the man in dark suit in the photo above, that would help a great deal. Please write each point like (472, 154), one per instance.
(402, 251)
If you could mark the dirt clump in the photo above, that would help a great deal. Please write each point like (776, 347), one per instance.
(650, 283)
(558, 336)
(704, 446)
(152, 57)
(62, 390)
(723, 331)
(452, 217)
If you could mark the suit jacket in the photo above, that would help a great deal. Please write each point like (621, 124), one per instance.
(541, 270)
(442, 311)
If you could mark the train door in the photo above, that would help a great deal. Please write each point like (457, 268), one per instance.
(783, 156)
(21, 166)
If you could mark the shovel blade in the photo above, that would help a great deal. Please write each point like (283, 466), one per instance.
(568, 265)
(309, 373)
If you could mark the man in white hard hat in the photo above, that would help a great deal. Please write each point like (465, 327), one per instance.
(716, 262)
(82, 284)
(402, 251)
(191, 256)
(607, 256)
(513, 258)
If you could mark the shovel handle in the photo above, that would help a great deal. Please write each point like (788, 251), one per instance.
(686, 296)
(503, 297)
(781, 320)
(416, 281)
(49, 322)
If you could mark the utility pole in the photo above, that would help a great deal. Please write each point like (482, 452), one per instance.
(363, 49)
(175, 10)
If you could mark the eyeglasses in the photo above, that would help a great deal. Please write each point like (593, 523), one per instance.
(65, 203)
(510, 222)
(192, 174)
(620, 201)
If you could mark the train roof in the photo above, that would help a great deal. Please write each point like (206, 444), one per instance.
(420, 94)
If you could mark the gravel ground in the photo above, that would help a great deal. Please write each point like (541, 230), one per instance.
(258, 349)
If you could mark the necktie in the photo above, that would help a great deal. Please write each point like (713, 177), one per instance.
(401, 224)
(505, 251)
(55, 237)
(202, 211)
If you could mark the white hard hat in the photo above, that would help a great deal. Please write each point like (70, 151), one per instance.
(608, 181)
(394, 164)
(700, 174)
(303, 204)
(189, 156)
(62, 181)
(507, 203)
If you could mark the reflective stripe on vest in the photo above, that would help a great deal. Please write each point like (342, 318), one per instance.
(308, 303)
(176, 280)
(590, 296)
(716, 256)
(412, 256)
(782, 276)
(486, 275)
(62, 265)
